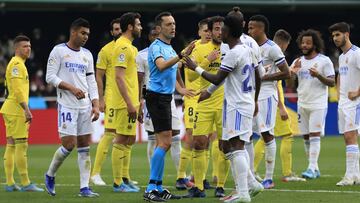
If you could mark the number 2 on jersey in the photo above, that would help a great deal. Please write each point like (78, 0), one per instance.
(246, 86)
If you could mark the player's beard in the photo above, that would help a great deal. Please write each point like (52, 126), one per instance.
(309, 51)
(135, 34)
(342, 43)
(115, 37)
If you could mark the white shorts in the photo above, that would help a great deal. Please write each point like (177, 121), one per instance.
(176, 123)
(266, 118)
(236, 125)
(74, 121)
(311, 120)
(349, 119)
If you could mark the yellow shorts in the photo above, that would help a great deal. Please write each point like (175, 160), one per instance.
(282, 127)
(16, 126)
(124, 124)
(189, 115)
(109, 120)
(205, 121)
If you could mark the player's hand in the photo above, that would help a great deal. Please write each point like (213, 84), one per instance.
(131, 111)
(187, 51)
(102, 105)
(95, 112)
(190, 63)
(187, 92)
(140, 117)
(78, 93)
(204, 94)
(213, 55)
(283, 114)
(28, 116)
(256, 109)
(313, 72)
(352, 95)
(296, 67)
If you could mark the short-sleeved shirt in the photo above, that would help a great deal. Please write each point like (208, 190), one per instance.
(104, 62)
(17, 87)
(124, 57)
(349, 70)
(162, 82)
(142, 63)
(312, 93)
(272, 57)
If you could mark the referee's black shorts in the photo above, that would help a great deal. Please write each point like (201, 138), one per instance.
(159, 108)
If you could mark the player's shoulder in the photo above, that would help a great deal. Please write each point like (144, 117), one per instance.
(60, 46)
(86, 51)
(143, 52)
(323, 57)
(108, 47)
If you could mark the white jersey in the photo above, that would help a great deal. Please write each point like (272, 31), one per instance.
(349, 70)
(272, 57)
(73, 67)
(239, 84)
(143, 66)
(312, 93)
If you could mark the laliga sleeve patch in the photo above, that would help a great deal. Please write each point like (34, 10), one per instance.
(51, 61)
(122, 57)
(15, 71)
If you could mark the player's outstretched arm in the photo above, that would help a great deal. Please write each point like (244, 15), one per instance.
(282, 75)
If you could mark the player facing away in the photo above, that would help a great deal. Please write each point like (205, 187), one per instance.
(70, 69)
(104, 68)
(163, 64)
(276, 69)
(17, 117)
(125, 99)
(349, 101)
(315, 72)
(241, 87)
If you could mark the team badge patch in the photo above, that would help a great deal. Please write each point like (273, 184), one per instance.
(15, 71)
(122, 57)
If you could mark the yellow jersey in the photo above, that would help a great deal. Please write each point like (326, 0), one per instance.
(17, 87)
(124, 55)
(281, 91)
(104, 62)
(200, 54)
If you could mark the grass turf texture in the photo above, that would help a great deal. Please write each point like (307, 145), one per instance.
(331, 163)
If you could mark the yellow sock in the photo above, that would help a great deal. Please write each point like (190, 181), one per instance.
(101, 152)
(9, 164)
(215, 154)
(224, 166)
(185, 160)
(117, 162)
(207, 159)
(286, 154)
(126, 162)
(259, 151)
(21, 147)
(199, 157)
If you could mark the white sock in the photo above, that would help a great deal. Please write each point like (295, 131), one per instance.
(270, 155)
(241, 168)
(84, 163)
(250, 177)
(175, 150)
(151, 147)
(229, 156)
(59, 156)
(352, 160)
(250, 151)
(307, 148)
(314, 152)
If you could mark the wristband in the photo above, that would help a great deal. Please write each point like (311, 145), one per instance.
(199, 70)
(180, 56)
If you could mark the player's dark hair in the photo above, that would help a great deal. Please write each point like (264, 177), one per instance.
(21, 38)
(341, 27)
(203, 22)
(234, 24)
(114, 21)
(78, 23)
(316, 38)
(158, 18)
(128, 19)
(236, 12)
(282, 35)
(262, 19)
(213, 20)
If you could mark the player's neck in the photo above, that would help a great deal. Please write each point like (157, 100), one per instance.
(312, 55)
(21, 56)
(128, 36)
(262, 40)
(73, 45)
(232, 42)
(346, 47)
(164, 39)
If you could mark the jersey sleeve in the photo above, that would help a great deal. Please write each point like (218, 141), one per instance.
(357, 59)
(53, 67)
(328, 69)
(229, 62)
(101, 60)
(276, 55)
(90, 79)
(18, 73)
(155, 52)
(122, 57)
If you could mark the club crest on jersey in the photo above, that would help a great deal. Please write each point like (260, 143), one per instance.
(64, 126)
(122, 57)
(15, 71)
(67, 56)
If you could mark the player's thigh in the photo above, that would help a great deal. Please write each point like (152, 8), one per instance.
(266, 117)
(67, 121)
(282, 127)
(303, 120)
(109, 119)
(204, 121)
(349, 119)
(237, 125)
(148, 125)
(189, 115)
(84, 124)
(317, 121)
(16, 126)
(218, 123)
(124, 124)
(175, 120)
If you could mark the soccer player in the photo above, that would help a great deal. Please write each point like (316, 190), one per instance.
(315, 72)
(276, 69)
(70, 69)
(349, 103)
(125, 99)
(104, 68)
(17, 117)
(238, 71)
(192, 82)
(282, 125)
(163, 65)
